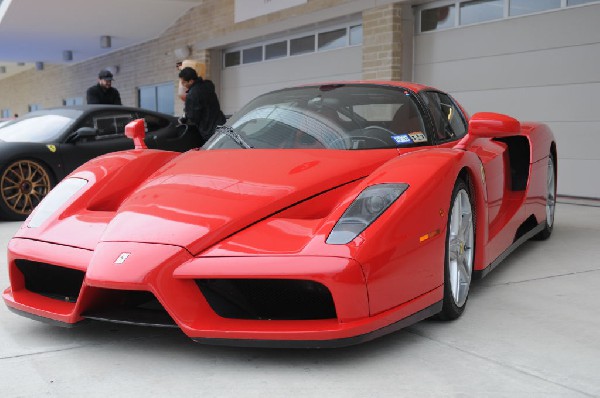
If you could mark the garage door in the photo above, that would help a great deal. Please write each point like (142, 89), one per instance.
(330, 54)
(534, 67)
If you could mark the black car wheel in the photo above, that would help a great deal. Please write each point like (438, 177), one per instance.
(23, 184)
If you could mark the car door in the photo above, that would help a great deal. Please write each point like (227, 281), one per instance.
(450, 126)
(110, 136)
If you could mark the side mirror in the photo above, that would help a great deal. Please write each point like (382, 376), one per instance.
(493, 125)
(136, 130)
(84, 132)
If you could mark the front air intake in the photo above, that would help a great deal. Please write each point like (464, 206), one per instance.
(275, 299)
(134, 307)
(50, 280)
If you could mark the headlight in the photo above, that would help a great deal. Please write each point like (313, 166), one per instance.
(55, 199)
(365, 209)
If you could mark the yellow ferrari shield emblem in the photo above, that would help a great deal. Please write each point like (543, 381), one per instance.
(52, 148)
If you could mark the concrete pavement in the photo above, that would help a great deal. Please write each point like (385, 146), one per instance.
(531, 329)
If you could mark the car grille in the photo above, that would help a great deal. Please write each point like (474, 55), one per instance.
(126, 306)
(276, 299)
(50, 280)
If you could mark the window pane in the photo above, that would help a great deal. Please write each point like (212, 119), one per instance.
(437, 18)
(147, 97)
(276, 50)
(447, 117)
(520, 7)
(232, 58)
(302, 45)
(356, 35)
(73, 101)
(253, 54)
(576, 2)
(333, 39)
(166, 99)
(480, 11)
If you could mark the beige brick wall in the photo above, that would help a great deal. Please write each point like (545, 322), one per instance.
(382, 43)
(153, 62)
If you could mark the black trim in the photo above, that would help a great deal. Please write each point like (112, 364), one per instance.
(48, 321)
(478, 274)
(335, 343)
(123, 317)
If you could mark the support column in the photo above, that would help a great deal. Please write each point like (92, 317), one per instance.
(382, 43)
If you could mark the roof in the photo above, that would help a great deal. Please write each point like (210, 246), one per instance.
(39, 31)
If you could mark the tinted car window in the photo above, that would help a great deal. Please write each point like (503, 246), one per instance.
(108, 123)
(154, 122)
(447, 117)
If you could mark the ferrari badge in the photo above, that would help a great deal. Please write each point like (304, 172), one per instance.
(122, 257)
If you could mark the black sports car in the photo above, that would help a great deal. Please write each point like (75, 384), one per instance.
(40, 148)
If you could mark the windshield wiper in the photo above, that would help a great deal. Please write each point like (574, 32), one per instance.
(230, 132)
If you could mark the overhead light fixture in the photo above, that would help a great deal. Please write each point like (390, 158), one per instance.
(2, 69)
(182, 52)
(67, 55)
(105, 41)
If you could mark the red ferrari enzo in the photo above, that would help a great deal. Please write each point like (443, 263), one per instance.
(323, 215)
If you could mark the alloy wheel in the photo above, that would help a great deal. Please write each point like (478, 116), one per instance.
(23, 185)
(460, 247)
(551, 194)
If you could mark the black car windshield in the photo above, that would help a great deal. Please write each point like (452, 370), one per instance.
(40, 126)
(336, 116)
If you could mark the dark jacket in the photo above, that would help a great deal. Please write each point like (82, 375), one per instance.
(98, 95)
(202, 107)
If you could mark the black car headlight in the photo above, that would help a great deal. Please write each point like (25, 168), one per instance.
(365, 209)
(55, 199)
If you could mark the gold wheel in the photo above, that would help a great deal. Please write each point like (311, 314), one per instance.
(23, 185)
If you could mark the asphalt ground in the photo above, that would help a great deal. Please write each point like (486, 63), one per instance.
(531, 329)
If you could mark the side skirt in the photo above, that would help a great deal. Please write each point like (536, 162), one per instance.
(482, 273)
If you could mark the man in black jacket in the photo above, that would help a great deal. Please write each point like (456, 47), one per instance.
(103, 92)
(202, 109)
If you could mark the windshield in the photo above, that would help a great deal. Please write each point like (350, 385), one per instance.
(329, 116)
(42, 127)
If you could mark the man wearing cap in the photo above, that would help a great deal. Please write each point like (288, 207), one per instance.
(103, 92)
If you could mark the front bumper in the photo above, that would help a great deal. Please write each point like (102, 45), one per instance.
(163, 285)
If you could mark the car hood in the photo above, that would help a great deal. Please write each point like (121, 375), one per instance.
(202, 197)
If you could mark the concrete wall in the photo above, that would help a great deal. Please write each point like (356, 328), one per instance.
(540, 67)
(543, 67)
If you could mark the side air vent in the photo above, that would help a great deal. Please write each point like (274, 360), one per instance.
(50, 280)
(277, 299)
(525, 227)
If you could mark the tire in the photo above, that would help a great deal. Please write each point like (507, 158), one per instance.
(23, 184)
(460, 252)
(550, 201)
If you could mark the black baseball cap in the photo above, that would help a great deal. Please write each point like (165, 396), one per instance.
(105, 75)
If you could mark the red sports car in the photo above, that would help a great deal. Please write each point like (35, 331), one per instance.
(322, 215)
